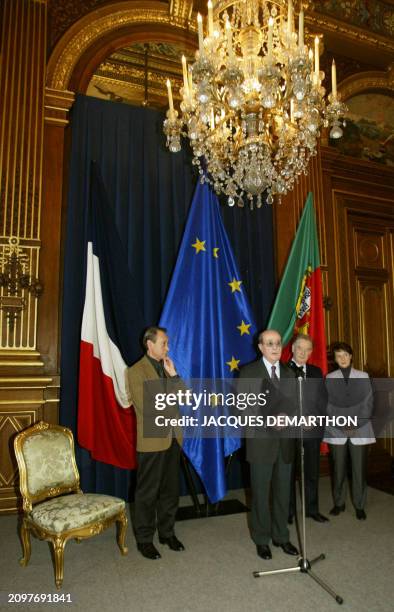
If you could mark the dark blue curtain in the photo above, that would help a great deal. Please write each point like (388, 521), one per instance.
(150, 190)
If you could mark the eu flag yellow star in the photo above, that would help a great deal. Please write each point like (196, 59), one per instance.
(235, 285)
(244, 328)
(199, 245)
(233, 364)
(215, 251)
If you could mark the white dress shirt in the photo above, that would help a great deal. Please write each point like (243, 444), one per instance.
(269, 365)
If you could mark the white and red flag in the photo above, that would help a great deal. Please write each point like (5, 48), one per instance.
(111, 325)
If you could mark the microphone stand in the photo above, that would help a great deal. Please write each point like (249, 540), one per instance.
(304, 565)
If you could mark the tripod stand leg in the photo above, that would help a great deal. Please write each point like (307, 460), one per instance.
(326, 587)
(286, 570)
(316, 559)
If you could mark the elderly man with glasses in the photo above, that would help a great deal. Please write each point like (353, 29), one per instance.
(270, 458)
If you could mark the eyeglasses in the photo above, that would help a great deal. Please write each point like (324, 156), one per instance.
(273, 344)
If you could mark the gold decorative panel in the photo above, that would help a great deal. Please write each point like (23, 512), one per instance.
(23, 60)
(19, 333)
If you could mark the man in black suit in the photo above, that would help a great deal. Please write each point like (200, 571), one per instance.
(314, 403)
(270, 458)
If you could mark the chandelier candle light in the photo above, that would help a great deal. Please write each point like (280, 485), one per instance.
(253, 102)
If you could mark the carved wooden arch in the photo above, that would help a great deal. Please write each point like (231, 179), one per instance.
(99, 33)
(367, 81)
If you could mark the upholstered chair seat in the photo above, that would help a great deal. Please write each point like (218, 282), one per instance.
(55, 508)
(74, 511)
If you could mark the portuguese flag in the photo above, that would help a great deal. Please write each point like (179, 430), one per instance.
(298, 306)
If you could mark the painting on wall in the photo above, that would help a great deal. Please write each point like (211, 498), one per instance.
(369, 132)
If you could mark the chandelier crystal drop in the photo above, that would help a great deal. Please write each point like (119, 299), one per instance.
(253, 103)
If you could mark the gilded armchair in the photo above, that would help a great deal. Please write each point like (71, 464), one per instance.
(55, 508)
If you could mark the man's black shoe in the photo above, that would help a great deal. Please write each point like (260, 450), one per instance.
(337, 510)
(319, 518)
(290, 519)
(360, 514)
(264, 551)
(172, 542)
(287, 548)
(148, 550)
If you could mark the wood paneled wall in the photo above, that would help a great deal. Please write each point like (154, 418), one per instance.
(354, 203)
(29, 380)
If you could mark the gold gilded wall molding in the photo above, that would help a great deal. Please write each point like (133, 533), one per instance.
(365, 81)
(181, 10)
(318, 23)
(57, 105)
(23, 63)
(19, 330)
(22, 77)
(25, 382)
(20, 363)
(95, 26)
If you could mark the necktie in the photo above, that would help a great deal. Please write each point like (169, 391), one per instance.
(273, 373)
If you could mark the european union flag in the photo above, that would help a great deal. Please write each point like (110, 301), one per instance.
(209, 322)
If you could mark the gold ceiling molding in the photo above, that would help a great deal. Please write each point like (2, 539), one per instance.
(133, 93)
(123, 87)
(181, 10)
(365, 81)
(96, 25)
(329, 24)
(126, 74)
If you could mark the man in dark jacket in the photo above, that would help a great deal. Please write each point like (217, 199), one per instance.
(314, 403)
(270, 458)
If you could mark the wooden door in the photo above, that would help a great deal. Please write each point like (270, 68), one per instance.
(365, 230)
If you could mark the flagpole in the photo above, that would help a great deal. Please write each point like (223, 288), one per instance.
(304, 565)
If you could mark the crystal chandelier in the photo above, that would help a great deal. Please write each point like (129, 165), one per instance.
(253, 102)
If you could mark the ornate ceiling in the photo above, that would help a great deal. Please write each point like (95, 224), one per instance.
(371, 15)
(137, 74)
(359, 33)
